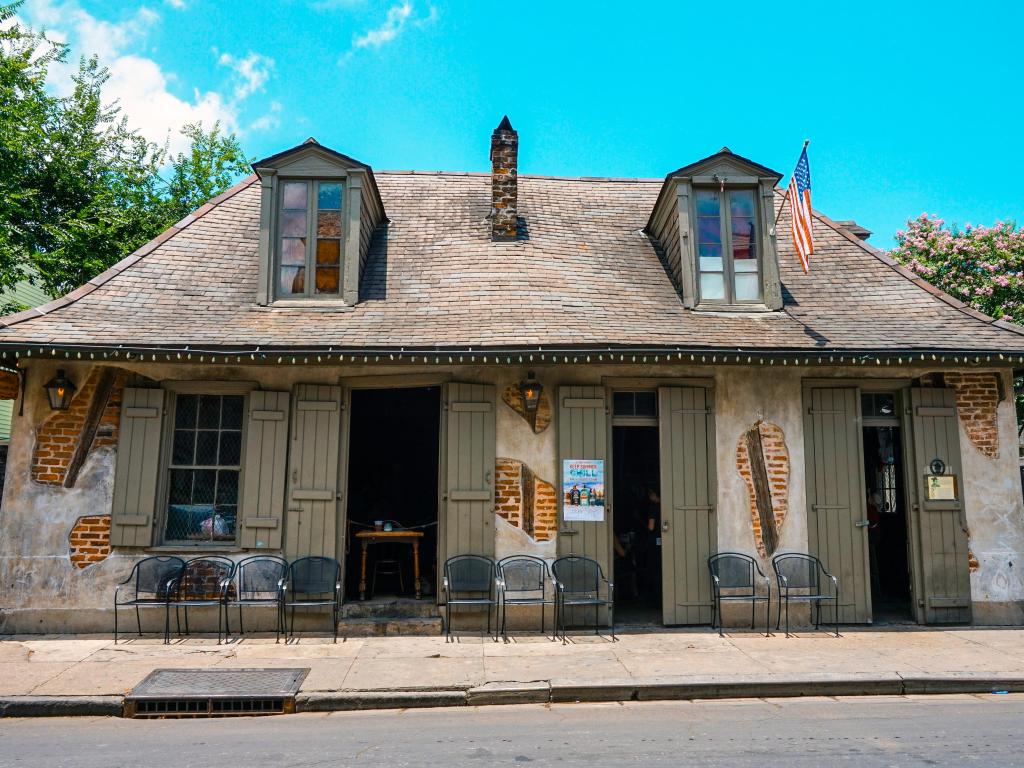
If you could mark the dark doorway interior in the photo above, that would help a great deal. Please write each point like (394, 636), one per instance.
(392, 477)
(636, 520)
(887, 530)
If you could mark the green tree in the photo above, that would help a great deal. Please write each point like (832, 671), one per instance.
(79, 189)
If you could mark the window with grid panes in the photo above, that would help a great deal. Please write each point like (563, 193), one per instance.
(310, 239)
(204, 470)
(728, 261)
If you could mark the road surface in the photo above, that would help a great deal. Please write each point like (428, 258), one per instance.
(856, 731)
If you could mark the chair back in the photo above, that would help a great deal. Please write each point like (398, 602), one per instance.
(578, 574)
(797, 570)
(469, 573)
(523, 573)
(313, 575)
(733, 571)
(257, 577)
(151, 575)
(203, 577)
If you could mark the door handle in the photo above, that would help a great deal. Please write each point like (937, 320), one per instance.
(862, 523)
(664, 526)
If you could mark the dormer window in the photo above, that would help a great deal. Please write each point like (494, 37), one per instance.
(713, 222)
(310, 239)
(319, 210)
(727, 249)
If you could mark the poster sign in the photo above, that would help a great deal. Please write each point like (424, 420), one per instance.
(941, 487)
(583, 490)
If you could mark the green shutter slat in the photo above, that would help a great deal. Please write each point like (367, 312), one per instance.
(137, 471)
(264, 470)
(468, 524)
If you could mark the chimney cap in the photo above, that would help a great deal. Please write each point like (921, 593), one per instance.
(505, 125)
(854, 228)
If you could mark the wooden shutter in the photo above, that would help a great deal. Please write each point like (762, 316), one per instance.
(837, 517)
(312, 514)
(688, 498)
(468, 524)
(265, 470)
(583, 434)
(138, 468)
(942, 524)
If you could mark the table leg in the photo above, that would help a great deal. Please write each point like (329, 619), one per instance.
(416, 567)
(362, 573)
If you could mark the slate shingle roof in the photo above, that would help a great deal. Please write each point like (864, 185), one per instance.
(582, 274)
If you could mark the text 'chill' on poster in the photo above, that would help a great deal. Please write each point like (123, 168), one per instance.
(583, 490)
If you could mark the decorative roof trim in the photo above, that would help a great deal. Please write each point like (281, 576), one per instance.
(129, 260)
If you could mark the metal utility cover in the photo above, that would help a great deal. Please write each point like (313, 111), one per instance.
(215, 692)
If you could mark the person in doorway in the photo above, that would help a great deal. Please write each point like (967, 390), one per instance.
(649, 544)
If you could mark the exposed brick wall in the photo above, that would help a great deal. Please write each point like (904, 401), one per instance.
(513, 398)
(776, 459)
(977, 398)
(89, 540)
(540, 522)
(504, 181)
(57, 435)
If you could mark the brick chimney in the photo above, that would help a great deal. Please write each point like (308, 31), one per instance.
(504, 184)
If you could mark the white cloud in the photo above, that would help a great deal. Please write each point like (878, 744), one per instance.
(270, 120)
(178, 5)
(392, 27)
(137, 82)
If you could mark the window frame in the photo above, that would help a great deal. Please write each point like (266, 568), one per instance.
(728, 260)
(176, 389)
(309, 293)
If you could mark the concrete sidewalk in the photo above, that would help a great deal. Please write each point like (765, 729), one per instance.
(89, 674)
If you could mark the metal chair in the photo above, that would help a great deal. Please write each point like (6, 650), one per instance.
(473, 577)
(578, 582)
(201, 584)
(526, 576)
(257, 580)
(734, 573)
(149, 582)
(799, 578)
(311, 582)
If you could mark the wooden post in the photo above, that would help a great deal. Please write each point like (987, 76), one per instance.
(91, 425)
(762, 490)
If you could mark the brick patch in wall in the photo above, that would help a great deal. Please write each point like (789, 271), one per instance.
(89, 540)
(513, 398)
(57, 436)
(776, 461)
(977, 400)
(524, 500)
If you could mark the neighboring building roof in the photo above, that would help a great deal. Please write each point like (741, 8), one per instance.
(582, 274)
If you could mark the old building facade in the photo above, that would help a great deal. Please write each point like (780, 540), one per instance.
(324, 347)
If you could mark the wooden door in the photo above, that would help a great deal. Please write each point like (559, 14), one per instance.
(467, 525)
(688, 495)
(942, 526)
(312, 515)
(583, 434)
(837, 523)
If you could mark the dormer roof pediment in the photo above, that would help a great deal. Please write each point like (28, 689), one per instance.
(310, 158)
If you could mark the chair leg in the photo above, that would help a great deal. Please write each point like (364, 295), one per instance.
(138, 620)
(836, 603)
(241, 624)
(611, 618)
(115, 621)
(447, 620)
(787, 615)
(768, 615)
(167, 623)
(753, 609)
(280, 611)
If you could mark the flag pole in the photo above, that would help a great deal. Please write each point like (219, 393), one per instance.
(785, 197)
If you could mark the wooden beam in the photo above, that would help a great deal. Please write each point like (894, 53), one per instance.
(91, 425)
(762, 490)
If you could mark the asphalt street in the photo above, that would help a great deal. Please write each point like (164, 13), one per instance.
(861, 731)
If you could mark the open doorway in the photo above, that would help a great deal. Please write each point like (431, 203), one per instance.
(636, 523)
(392, 479)
(886, 509)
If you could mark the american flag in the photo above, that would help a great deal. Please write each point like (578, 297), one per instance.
(799, 193)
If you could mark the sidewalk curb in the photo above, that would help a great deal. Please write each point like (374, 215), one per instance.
(568, 691)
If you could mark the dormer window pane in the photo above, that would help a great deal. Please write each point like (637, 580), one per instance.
(728, 260)
(310, 235)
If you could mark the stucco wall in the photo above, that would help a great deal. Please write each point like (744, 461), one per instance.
(41, 590)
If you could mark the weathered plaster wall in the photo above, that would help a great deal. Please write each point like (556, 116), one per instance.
(41, 589)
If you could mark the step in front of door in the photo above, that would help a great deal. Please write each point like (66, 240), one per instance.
(427, 626)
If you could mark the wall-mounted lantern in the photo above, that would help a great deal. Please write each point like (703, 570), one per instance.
(530, 390)
(60, 391)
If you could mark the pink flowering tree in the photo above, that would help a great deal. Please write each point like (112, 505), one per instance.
(981, 266)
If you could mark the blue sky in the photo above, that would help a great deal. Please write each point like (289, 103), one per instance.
(909, 107)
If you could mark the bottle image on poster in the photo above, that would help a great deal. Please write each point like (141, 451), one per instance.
(583, 490)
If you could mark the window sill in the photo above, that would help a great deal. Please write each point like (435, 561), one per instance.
(212, 549)
(732, 308)
(319, 305)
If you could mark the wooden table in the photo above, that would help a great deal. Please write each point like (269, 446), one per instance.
(385, 537)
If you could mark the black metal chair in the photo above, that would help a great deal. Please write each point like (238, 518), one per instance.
(799, 577)
(201, 584)
(149, 583)
(257, 580)
(312, 582)
(578, 582)
(525, 577)
(469, 580)
(733, 580)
